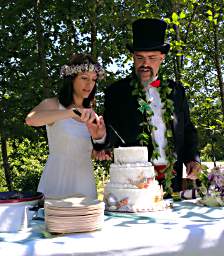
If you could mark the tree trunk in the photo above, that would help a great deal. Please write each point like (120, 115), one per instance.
(177, 60)
(93, 39)
(6, 165)
(93, 30)
(213, 153)
(217, 59)
(187, 32)
(41, 48)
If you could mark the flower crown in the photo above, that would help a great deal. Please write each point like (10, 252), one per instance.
(75, 69)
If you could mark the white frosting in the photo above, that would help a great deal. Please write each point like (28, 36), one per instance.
(132, 185)
(135, 172)
(135, 199)
(153, 186)
(130, 154)
(119, 185)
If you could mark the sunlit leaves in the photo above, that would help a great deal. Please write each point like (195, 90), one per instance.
(67, 28)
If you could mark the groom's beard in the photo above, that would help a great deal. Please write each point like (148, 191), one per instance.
(145, 74)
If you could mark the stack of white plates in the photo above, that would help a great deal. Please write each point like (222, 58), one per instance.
(73, 214)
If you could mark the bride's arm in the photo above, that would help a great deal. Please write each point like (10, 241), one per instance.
(47, 112)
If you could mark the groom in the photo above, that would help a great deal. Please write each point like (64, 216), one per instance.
(142, 109)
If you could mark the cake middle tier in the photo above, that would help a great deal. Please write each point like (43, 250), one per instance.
(131, 173)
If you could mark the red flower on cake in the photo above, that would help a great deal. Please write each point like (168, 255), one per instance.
(142, 181)
(122, 202)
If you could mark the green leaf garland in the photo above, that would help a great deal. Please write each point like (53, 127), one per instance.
(147, 127)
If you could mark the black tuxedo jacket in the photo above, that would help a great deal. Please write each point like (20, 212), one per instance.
(123, 117)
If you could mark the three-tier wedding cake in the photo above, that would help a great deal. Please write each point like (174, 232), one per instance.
(132, 186)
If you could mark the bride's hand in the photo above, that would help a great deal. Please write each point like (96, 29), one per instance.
(96, 126)
(94, 123)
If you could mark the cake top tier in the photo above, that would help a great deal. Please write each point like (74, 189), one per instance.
(130, 155)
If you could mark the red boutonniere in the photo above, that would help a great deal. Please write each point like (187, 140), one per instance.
(155, 83)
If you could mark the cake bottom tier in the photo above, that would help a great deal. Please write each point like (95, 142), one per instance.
(133, 200)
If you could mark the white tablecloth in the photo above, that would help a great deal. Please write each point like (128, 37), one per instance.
(187, 229)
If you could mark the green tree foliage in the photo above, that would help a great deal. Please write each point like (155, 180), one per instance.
(37, 37)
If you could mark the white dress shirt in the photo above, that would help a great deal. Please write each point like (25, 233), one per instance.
(152, 95)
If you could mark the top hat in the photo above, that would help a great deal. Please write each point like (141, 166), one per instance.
(148, 35)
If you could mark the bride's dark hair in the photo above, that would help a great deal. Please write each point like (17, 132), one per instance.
(65, 95)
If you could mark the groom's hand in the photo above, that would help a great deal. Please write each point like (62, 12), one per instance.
(101, 155)
(193, 168)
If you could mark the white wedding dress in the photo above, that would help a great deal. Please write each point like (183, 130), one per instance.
(69, 168)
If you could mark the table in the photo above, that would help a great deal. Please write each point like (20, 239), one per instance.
(187, 229)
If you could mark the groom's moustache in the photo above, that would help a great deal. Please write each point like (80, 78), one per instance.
(147, 68)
